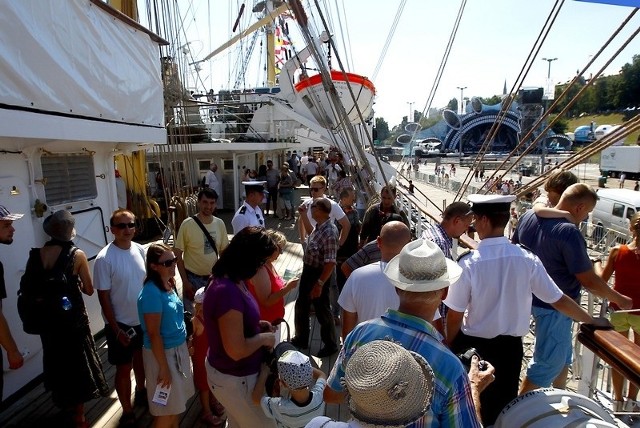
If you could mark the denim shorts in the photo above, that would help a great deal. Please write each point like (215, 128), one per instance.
(553, 347)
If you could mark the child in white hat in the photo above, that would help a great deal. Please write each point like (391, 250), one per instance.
(305, 385)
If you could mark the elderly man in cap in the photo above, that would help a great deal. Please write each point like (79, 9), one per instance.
(421, 275)
(489, 305)
(6, 340)
(563, 252)
(250, 214)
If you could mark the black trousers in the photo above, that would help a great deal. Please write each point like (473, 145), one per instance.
(272, 197)
(505, 354)
(322, 307)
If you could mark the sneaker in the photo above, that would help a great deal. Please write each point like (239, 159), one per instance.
(212, 420)
(617, 406)
(327, 351)
(140, 398)
(630, 406)
(298, 342)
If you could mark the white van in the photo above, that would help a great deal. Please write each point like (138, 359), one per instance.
(613, 210)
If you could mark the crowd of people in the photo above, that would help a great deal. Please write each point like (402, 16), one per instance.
(408, 307)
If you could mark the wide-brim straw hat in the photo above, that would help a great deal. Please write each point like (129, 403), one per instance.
(60, 226)
(420, 267)
(388, 385)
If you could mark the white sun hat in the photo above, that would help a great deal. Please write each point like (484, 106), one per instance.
(421, 266)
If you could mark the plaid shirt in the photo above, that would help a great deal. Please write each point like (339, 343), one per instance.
(436, 234)
(322, 245)
(452, 405)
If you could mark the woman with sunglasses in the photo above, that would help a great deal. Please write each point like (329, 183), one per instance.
(165, 354)
(237, 337)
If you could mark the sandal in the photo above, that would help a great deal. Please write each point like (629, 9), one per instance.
(127, 420)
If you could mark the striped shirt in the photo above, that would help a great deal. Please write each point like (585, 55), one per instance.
(436, 234)
(452, 405)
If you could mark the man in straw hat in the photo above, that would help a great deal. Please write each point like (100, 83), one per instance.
(386, 386)
(489, 305)
(6, 340)
(421, 275)
(563, 252)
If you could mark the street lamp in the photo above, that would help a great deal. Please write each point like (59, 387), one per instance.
(410, 111)
(549, 60)
(462, 88)
(546, 107)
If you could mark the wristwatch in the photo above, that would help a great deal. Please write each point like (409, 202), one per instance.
(319, 281)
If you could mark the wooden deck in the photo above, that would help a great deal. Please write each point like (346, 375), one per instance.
(35, 408)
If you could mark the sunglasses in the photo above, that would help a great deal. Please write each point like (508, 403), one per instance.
(168, 263)
(316, 189)
(124, 225)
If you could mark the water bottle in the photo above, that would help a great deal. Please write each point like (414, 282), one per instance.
(66, 303)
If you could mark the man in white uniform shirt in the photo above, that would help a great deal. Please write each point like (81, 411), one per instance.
(250, 214)
(118, 275)
(490, 304)
(368, 293)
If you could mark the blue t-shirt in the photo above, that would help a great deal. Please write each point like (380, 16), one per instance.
(561, 248)
(169, 305)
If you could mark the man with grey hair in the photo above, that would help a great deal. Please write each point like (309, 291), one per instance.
(421, 275)
(368, 293)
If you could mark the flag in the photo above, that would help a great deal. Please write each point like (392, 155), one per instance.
(281, 47)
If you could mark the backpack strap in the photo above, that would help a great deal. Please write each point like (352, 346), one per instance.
(212, 241)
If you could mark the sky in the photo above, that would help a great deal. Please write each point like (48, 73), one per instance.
(492, 44)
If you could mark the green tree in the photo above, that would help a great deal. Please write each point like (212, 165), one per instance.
(382, 128)
(453, 104)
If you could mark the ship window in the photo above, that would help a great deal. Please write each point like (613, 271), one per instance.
(69, 177)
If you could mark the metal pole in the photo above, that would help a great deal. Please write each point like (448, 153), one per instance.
(546, 106)
(410, 111)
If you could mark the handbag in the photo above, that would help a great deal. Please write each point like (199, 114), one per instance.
(271, 359)
(212, 241)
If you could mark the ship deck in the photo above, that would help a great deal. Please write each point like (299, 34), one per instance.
(34, 407)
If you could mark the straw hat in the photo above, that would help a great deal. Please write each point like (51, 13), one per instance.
(59, 225)
(421, 266)
(295, 370)
(388, 385)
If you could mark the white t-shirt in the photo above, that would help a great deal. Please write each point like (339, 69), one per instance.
(121, 272)
(336, 212)
(327, 422)
(288, 414)
(312, 168)
(495, 289)
(368, 292)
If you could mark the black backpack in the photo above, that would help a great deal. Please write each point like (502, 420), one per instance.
(41, 294)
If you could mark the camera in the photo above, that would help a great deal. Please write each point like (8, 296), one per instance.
(465, 358)
(131, 333)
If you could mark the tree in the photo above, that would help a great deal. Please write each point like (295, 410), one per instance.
(453, 104)
(382, 128)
